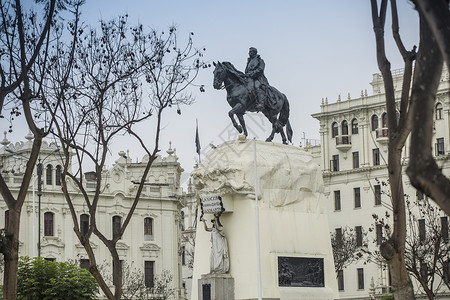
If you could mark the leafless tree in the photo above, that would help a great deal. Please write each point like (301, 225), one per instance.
(427, 246)
(114, 67)
(427, 243)
(346, 247)
(393, 249)
(424, 172)
(24, 38)
(188, 239)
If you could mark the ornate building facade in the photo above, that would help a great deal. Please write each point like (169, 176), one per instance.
(152, 242)
(353, 157)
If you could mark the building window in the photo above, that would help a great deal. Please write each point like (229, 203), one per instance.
(377, 194)
(355, 160)
(334, 130)
(337, 200)
(444, 228)
(338, 232)
(148, 273)
(355, 126)
(148, 229)
(84, 224)
(340, 278)
(48, 177)
(58, 175)
(182, 220)
(6, 220)
(376, 156)
(335, 163)
(183, 255)
(422, 234)
(50, 259)
(424, 271)
(344, 127)
(357, 197)
(374, 122)
(48, 224)
(446, 267)
(438, 111)
(359, 236)
(440, 150)
(360, 272)
(379, 232)
(384, 120)
(116, 225)
(84, 264)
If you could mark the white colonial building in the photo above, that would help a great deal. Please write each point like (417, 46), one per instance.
(152, 242)
(353, 156)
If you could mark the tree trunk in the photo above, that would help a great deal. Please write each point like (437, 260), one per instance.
(11, 255)
(394, 249)
(423, 170)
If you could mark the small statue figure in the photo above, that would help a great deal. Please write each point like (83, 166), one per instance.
(255, 71)
(219, 260)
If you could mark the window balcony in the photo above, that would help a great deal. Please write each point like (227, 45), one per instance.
(382, 135)
(343, 142)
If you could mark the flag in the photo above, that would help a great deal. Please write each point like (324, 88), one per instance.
(197, 140)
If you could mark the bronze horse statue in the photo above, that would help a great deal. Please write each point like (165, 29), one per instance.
(242, 99)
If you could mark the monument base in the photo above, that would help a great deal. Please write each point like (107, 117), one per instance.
(294, 246)
(216, 287)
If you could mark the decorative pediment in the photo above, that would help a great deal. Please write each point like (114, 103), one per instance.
(93, 245)
(50, 241)
(149, 247)
(122, 246)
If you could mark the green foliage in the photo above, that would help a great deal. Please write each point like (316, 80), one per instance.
(387, 297)
(42, 279)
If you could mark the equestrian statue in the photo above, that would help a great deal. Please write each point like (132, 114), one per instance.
(250, 91)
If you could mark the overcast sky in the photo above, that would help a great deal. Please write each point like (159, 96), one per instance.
(312, 50)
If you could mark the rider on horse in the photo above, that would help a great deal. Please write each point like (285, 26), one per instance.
(255, 71)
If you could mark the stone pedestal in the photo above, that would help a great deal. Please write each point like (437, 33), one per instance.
(293, 225)
(216, 287)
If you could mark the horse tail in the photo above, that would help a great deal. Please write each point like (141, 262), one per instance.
(284, 118)
(289, 131)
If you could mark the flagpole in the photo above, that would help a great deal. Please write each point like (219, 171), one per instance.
(258, 250)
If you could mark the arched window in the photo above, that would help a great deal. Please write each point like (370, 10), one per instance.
(354, 126)
(384, 120)
(48, 223)
(374, 122)
(334, 129)
(58, 175)
(438, 111)
(84, 224)
(116, 225)
(148, 229)
(344, 127)
(49, 175)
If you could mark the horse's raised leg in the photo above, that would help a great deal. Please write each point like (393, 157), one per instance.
(242, 122)
(231, 114)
